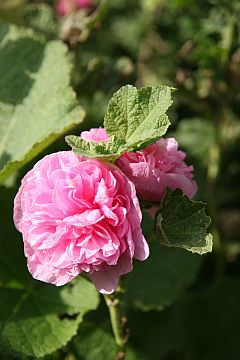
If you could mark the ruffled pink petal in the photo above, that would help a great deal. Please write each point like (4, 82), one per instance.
(106, 282)
(50, 274)
(156, 168)
(141, 246)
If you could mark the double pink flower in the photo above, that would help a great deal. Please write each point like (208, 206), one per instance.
(79, 215)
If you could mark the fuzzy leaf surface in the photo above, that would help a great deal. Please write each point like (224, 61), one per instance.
(138, 116)
(134, 119)
(102, 150)
(183, 222)
(36, 102)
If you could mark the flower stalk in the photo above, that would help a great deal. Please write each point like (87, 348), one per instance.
(118, 321)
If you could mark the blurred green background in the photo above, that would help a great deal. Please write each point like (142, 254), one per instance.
(192, 308)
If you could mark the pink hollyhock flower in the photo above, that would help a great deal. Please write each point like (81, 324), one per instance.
(79, 215)
(152, 170)
(157, 167)
(96, 135)
(65, 7)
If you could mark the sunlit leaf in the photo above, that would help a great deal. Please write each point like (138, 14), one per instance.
(36, 103)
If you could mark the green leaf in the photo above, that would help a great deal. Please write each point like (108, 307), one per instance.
(81, 295)
(93, 342)
(134, 119)
(138, 116)
(183, 222)
(161, 279)
(100, 150)
(37, 321)
(35, 318)
(36, 103)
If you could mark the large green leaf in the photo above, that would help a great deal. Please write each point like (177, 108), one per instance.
(183, 222)
(35, 318)
(37, 321)
(36, 102)
(161, 279)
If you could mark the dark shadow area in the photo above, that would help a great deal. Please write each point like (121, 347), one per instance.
(4, 158)
(19, 60)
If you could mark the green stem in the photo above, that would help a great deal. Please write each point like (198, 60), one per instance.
(213, 165)
(114, 306)
(212, 175)
(227, 36)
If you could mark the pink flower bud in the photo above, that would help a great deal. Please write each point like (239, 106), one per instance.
(96, 135)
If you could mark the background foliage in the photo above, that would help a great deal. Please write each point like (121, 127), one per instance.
(179, 305)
